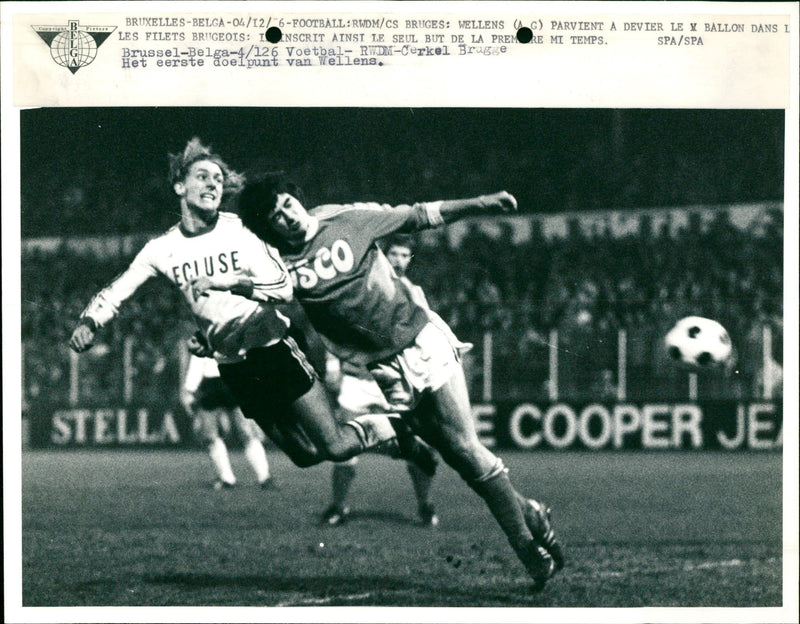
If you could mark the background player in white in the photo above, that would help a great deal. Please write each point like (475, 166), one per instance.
(357, 393)
(214, 412)
(365, 313)
(272, 380)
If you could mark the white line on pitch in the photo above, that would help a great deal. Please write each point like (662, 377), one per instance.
(322, 601)
(689, 567)
(713, 564)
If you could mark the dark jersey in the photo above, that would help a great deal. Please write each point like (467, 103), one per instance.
(350, 293)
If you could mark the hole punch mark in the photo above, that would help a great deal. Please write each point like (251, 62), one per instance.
(273, 34)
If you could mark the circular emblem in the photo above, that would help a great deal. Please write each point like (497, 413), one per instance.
(74, 48)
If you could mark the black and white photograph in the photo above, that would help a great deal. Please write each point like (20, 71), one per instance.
(332, 362)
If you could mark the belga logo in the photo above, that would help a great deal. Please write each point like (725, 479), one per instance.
(74, 46)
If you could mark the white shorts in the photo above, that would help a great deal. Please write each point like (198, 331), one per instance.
(361, 396)
(427, 364)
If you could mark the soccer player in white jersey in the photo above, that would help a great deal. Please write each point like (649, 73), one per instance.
(214, 413)
(272, 380)
(365, 313)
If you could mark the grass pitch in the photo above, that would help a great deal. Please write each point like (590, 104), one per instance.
(132, 528)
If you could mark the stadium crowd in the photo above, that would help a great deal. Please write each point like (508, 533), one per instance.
(552, 161)
(589, 287)
(586, 286)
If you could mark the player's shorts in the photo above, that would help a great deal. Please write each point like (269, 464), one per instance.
(361, 396)
(269, 379)
(427, 364)
(213, 394)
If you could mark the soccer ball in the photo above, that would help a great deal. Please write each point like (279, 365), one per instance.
(698, 343)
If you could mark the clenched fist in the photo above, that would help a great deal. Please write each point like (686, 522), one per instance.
(83, 336)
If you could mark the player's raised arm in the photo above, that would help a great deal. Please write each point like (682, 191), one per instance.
(382, 219)
(451, 210)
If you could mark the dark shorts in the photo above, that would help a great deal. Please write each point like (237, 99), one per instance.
(269, 380)
(213, 394)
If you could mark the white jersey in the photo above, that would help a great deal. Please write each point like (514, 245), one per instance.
(231, 323)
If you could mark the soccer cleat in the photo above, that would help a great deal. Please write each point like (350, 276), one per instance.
(538, 563)
(335, 515)
(219, 484)
(537, 517)
(427, 515)
(269, 484)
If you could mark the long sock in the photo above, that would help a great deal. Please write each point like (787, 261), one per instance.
(422, 484)
(257, 458)
(495, 488)
(222, 462)
(342, 478)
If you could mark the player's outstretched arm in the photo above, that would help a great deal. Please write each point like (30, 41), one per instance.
(83, 335)
(104, 306)
(265, 279)
(501, 202)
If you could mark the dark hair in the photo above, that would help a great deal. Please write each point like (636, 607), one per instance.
(398, 240)
(259, 198)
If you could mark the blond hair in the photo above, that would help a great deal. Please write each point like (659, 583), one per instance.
(195, 151)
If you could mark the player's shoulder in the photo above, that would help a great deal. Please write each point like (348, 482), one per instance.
(230, 223)
(329, 211)
(229, 219)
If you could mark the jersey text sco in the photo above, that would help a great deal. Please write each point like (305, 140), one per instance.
(352, 296)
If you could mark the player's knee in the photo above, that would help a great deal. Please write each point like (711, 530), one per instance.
(204, 427)
(462, 447)
(208, 440)
(339, 451)
(304, 459)
(467, 457)
(305, 462)
(340, 446)
(207, 436)
(245, 434)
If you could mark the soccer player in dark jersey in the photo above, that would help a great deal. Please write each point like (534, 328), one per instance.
(357, 393)
(365, 313)
(259, 361)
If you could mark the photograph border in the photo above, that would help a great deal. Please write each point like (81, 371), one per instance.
(53, 84)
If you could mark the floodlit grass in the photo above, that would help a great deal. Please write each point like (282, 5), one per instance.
(119, 528)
